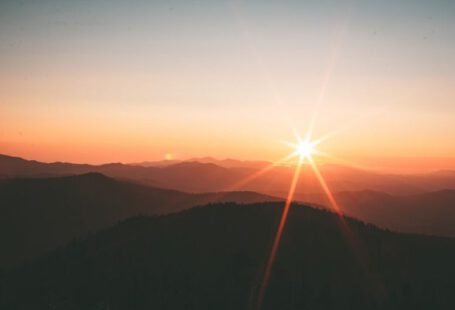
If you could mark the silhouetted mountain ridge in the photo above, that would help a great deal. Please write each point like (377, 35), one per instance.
(210, 175)
(400, 210)
(38, 214)
(430, 213)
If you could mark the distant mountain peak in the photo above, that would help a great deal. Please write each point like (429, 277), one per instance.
(91, 175)
(195, 164)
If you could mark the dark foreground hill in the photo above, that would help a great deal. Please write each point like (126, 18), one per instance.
(37, 215)
(213, 258)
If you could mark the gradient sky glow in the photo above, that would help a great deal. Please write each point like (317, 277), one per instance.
(99, 81)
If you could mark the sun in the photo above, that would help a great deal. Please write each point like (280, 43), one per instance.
(304, 149)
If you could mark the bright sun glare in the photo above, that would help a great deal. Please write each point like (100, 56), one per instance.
(304, 149)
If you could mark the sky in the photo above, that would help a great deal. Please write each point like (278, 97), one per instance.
(127, 81)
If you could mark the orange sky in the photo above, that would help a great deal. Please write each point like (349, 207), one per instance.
(228, 80)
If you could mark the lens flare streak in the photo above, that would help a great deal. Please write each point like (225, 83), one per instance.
(276, 242)
(333, 203)
(257, 174)
(352, 241)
